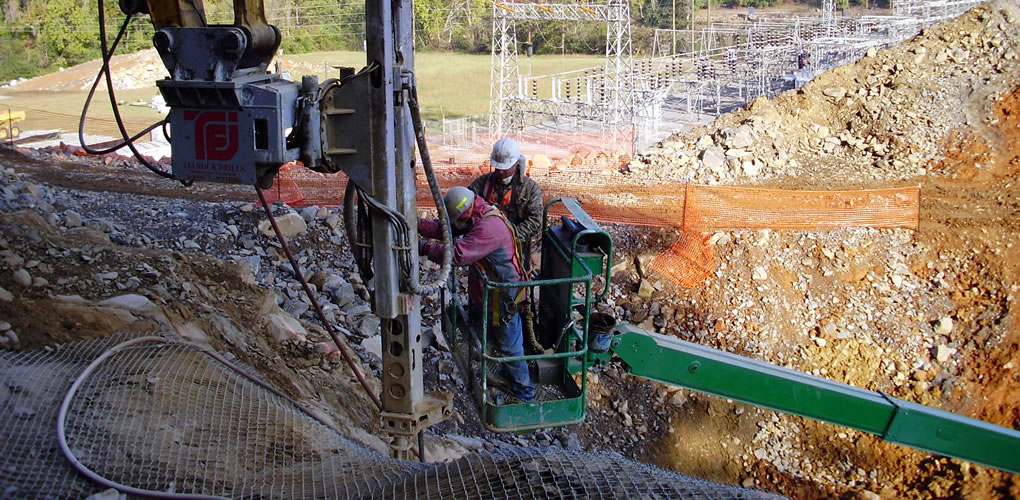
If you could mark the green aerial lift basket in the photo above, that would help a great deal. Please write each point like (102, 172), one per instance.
(570, 252)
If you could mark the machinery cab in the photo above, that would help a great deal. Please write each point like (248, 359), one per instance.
(574, 276)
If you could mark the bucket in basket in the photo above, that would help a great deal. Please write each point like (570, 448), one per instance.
(600, 331)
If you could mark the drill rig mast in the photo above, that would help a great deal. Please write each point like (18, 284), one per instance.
(233, 122)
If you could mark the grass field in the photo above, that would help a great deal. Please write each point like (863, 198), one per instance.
(451, 85)
(61, 110)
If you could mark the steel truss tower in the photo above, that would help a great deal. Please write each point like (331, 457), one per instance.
(503, 83)
(828, 9)
(607, 96)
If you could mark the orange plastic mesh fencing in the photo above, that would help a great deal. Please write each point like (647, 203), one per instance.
(643, 202)
(727, 207)
(576, 165)
(285, 187)
(688, 261)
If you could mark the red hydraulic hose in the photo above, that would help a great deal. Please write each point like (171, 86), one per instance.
(315, 303)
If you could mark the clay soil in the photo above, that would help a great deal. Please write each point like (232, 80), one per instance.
(970, 212)
(969, 228)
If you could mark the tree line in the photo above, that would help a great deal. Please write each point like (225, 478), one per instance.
(40, 36)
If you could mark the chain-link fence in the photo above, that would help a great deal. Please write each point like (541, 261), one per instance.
(167, 417)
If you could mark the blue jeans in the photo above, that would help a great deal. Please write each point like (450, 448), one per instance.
(509, 340)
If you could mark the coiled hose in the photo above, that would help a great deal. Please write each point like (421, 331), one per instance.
(62, 436)
(69, 396)
(357, 228)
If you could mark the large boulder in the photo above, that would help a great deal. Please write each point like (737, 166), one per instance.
(291, 224)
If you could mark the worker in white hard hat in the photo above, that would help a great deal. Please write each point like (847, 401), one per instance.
(509, 189)
(487, 245)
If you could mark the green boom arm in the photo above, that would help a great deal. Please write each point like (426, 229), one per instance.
(675, 362)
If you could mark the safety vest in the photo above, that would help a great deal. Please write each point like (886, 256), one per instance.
(490, 192)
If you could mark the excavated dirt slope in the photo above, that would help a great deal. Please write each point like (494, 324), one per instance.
(928, 316)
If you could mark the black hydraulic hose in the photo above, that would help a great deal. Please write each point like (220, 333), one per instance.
(113, 102)
(437, 197)
(355, 226)
(92, 92)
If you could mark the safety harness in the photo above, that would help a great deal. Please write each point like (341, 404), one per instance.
(508, 302)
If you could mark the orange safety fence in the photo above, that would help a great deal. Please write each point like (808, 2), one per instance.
(688, 262)
(630, 200)
(728, 207)
(697, 209)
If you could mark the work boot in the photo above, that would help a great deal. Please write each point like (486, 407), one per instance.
(497, 381)
(503, 398)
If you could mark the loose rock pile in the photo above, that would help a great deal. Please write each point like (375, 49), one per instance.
(130, 71)
(914, 314)
(109, 262)
(884, 118)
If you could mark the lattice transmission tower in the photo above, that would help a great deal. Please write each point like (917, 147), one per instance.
(503, 83)
(828, 9)
(605, 95)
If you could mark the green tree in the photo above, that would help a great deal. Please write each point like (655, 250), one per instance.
(429, 19)
(67, 31)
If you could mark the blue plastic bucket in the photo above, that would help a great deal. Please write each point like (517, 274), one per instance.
(600, 331)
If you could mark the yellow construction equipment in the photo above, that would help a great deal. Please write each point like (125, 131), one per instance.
(8, 129)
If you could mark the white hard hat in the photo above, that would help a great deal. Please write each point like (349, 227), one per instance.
(505, 154)
(458, 200)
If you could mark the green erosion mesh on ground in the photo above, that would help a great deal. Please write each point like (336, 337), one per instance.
(168, 417)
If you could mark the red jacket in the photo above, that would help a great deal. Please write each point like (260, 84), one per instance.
(488, 242)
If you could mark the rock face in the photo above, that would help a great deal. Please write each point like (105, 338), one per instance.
(283, 327)
(131, 302)
(21, 277)
(72, 218)
(944, 326)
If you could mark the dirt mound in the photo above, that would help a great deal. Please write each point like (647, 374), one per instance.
(883, 119)
(130, 71)
(927, 316)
